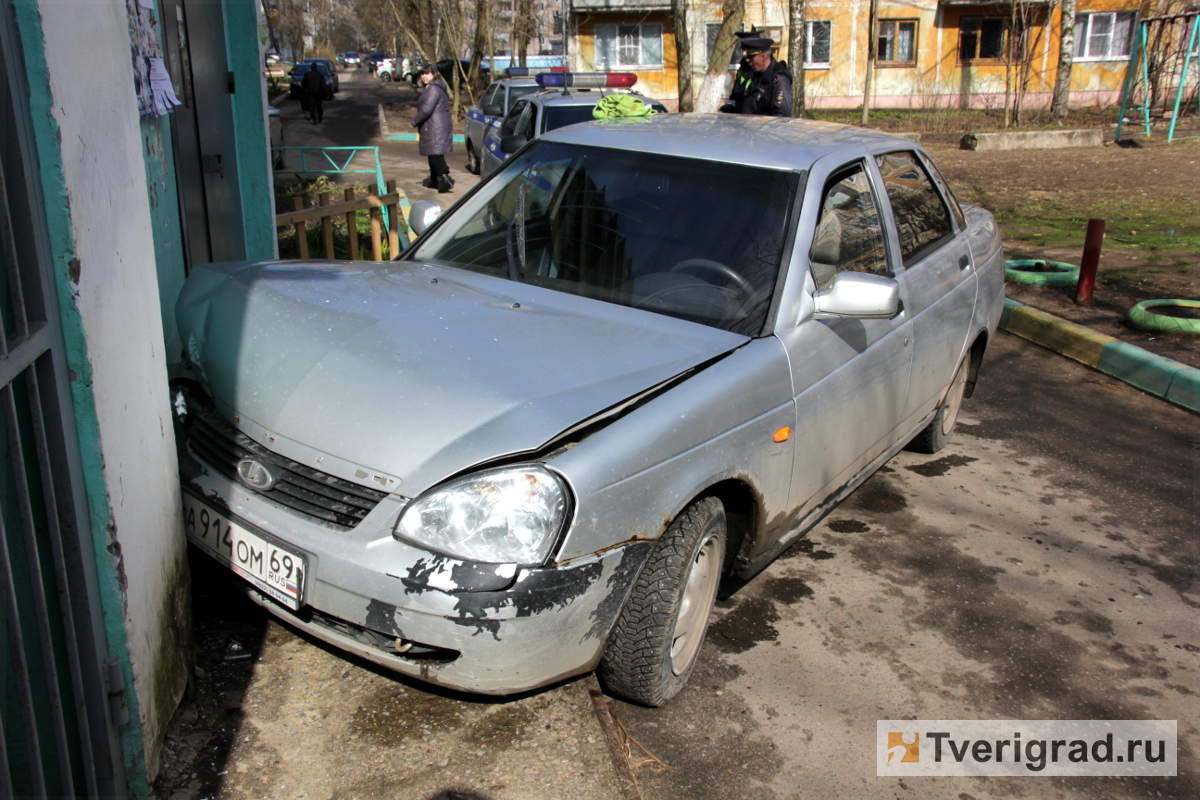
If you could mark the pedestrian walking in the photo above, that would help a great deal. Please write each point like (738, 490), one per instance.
(435, 127)
(315, 87)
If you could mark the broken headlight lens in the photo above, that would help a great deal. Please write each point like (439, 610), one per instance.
(510, 515)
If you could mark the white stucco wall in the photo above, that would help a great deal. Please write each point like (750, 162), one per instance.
(87, 47)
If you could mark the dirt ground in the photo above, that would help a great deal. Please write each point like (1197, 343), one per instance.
(1088, 177)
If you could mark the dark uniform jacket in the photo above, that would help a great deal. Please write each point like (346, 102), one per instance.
(769, 93)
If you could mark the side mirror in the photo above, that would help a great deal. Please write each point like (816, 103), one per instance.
(858, 295)
(491, 109)
(511, 144)
(423, 214)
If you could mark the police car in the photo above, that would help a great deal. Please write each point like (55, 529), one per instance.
(566, 98)
(497, 99)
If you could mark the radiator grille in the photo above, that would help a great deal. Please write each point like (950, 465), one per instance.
(303, 489)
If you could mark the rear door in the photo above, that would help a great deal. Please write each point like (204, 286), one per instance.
(938, 277)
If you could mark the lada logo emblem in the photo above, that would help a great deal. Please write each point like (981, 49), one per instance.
(255, 475)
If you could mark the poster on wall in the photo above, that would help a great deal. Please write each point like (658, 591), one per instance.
(151, 82)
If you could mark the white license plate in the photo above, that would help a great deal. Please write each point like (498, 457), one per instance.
(276, 570)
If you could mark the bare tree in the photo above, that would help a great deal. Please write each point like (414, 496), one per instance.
(712, 91)
(872, 53)
(683, 52)
(797, 49)
(1066, 59)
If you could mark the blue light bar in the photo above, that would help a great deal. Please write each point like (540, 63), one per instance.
(525, 72)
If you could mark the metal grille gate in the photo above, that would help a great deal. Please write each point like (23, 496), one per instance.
(58, 733)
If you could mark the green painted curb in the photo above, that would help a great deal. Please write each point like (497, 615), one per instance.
(412, 137)
(1154, 374)
(1137, 367)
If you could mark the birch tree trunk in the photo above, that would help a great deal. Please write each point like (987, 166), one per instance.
(872, 44)
(1066, 59)
(797, 48)
(683, 52)
(714, 90)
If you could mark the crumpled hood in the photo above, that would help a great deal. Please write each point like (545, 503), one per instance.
(420, 371)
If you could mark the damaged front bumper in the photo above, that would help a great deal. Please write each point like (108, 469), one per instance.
(486, 628)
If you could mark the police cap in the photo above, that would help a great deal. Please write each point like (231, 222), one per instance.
(753, 47)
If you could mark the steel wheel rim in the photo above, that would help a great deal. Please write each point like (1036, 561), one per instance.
(695, 605)
(954, 399)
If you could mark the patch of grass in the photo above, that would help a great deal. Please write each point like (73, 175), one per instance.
(1145, 226)
(961, 120)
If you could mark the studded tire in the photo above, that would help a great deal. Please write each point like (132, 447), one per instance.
(656, 640)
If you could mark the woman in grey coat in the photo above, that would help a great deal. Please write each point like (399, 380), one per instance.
(436, 128)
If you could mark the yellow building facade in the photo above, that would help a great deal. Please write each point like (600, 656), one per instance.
(952, 53)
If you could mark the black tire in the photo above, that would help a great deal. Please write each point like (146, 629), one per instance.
(472, 159)
(938, 432)
(649, 658)
(386, 77)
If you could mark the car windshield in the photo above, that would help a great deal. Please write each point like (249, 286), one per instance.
(698, 240)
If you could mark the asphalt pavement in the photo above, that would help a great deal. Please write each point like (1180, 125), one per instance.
(1043, 566)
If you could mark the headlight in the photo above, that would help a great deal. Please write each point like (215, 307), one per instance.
(510, 515)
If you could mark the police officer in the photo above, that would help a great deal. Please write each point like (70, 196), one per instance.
(770, 90)
(742, 78)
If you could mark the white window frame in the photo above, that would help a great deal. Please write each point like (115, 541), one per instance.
(1114, 50)
(809, 61)
(615, 40)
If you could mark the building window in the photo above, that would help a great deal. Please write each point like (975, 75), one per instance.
(710, 31)
(897, 42)
(817, 44)
(982, 38)
(1104, 35)
(629, 46)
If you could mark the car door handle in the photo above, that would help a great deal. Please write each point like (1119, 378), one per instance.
(964, 262)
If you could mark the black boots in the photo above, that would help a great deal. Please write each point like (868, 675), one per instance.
(443, 183)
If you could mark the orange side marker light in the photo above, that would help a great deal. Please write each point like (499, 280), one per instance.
(783, 434)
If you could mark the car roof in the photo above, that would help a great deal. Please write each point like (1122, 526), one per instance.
(776, 142)
(580, 97)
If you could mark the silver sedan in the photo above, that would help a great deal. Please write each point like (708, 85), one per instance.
(645, 356)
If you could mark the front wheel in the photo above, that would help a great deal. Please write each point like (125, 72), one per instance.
(472, 159)
(657, 638)
(386, 77)
(937, 434)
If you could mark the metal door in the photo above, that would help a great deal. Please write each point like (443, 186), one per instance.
(203, 131)
(59, 737)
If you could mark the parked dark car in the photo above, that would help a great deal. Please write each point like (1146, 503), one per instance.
(374, 57)
(445, 68)
(296, 90)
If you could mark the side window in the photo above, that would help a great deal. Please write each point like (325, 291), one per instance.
(947, 192)
(513, 119)
(492, 95)
(849, 234)
(525, 126)
(922, 220)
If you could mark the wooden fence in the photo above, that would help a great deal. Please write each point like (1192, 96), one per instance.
(326, 212)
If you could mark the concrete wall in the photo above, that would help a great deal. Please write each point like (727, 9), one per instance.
(95, 180)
